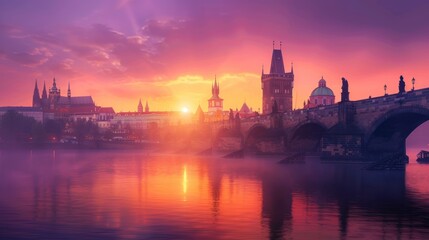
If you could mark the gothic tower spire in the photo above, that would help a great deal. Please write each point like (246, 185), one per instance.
(146, 108)
(69, 91)
(36, 96)
(140, 106)
(44, 94)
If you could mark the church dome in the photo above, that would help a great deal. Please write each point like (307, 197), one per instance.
(322, 89)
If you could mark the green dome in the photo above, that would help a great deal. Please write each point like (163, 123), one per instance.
(322, 91)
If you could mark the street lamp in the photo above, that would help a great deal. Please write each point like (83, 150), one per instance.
(413, 81)
(385, 89)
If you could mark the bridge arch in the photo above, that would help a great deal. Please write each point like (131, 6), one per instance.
(389, 132)
(306, 136)
(255, 134)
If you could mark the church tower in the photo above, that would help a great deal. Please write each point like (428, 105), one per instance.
(140, 106)
(146, 108)
(215, 102)
(44, 100)
(69, 91)
(54, 95)
(36, 96)
(277, 85)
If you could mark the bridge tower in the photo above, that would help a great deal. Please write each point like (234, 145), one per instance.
(277, 85)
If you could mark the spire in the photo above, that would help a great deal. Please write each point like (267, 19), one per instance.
(140, 106)
(69, 91)
(36, 95)
(262, 69)
(291, 67)
(277, 65)
(215, 88)
(44, 94)
(146, 108)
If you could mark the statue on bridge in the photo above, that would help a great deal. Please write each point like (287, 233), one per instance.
(345, 90)
(401, 85)
(231, 115)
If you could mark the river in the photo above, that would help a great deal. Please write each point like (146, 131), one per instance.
(66, 194)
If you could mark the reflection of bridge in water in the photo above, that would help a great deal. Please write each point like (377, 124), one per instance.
(346, 130)
(342, 193)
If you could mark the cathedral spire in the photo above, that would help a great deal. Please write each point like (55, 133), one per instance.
(69, 91)
(44, 94)
(140, 106)
(36, 95)
(146, 108)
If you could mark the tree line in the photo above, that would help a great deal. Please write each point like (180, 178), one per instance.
(17, 128)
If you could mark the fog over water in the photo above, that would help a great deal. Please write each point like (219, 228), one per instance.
(67, 194)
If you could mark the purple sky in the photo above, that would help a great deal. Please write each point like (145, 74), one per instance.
(167, 52)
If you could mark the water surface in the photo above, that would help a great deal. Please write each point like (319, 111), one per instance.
(136, 195)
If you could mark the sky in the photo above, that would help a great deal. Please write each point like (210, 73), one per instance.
(168, 52)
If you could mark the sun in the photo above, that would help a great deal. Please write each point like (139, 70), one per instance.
(185, 110)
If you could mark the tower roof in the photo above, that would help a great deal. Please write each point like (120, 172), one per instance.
(244, 108)
(44, 94)
(322, 89)
(199, 110)
(277, 66)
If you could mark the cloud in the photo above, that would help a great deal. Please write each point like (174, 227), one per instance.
(36, 57)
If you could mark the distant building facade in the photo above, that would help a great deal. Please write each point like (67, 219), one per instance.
(320, 96)
(66, 107)
(277, 85)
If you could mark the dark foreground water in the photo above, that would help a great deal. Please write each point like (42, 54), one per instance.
(134, 195)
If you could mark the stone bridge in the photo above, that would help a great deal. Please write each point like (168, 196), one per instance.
(346, 130)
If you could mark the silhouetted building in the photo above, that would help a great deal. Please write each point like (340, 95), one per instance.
(215, 105)
(277, 85)
(245, 111)
(215, 102)
(37, 102)
(67, 107)
(146, 108)
(321, 96)
(140, 106)
(199, 115)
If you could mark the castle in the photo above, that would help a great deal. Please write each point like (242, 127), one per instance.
(56, 106)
